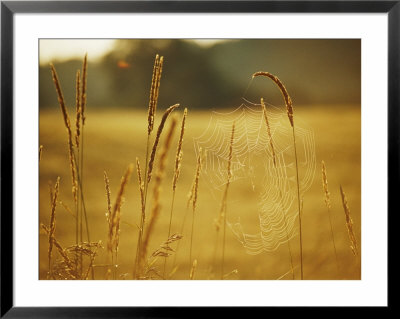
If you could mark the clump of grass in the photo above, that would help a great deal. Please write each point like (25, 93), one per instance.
(65, 268)
(151, 113)
(76, 162)
(69, 265)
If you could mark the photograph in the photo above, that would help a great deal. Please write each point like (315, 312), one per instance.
(199, 159)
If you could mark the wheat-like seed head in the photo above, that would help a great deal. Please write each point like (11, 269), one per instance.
(155, 85)
(78, 108)
(158, 82)
(108, 195)
(60, 97)
(178, 157)
(286, 96)
(113, 234)
(349, 223)
(68, 127)
(84, 83)
(217, 221)
(172, 238)
(196, 180)
(271, 144)
(141, 189)
(157, 139)
(165, 250)
(325, 186)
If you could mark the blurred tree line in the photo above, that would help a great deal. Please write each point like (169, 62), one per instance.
(314, 72)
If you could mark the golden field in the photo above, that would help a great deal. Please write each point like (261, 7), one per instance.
(115, 137)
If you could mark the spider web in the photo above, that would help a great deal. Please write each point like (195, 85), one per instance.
(253, 165)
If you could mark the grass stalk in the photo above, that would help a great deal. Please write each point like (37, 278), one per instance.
(328, 206)
(190, 197)
(289, 110)
(156, 198)
(298, 202)
(52, 227)
(280, 190)
(223, 211)
(194, 201)
(177, 170)
(143, 215)
(350, 230)
(349, 223)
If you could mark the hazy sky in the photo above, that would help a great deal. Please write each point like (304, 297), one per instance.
(65, 49)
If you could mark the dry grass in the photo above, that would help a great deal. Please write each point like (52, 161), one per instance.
(328, 206)
(289, 110)
(342, 155)
(349, 223)
(68, 127)
(193, 198)
(285, 94)
(157, 140)
(155, 211)
(108, 149)
(223, 211)
(271, 144)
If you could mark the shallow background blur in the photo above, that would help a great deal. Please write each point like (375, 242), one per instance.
(323, 78)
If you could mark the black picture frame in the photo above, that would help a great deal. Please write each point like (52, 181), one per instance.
(9, 8)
